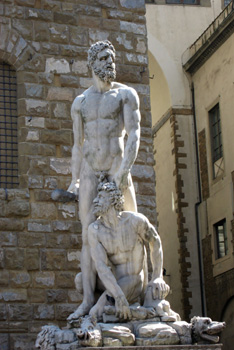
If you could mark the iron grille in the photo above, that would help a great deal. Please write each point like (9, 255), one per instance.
(8, 127)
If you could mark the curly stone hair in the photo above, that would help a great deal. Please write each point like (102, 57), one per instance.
(117, 198)
(96, 48)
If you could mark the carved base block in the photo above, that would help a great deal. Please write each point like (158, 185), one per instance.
(163, 347)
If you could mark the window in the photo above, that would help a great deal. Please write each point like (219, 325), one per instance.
(185, 2)
(221, 239)
(216, 141)
(8, 128)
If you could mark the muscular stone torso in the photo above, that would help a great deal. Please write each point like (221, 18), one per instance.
(102, 116)
(124, 246)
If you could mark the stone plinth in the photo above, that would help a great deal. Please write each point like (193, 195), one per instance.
(162, 347)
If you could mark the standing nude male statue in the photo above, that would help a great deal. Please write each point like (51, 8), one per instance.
(102, 115)
(117, 240)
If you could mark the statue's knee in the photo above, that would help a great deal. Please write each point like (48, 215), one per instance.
(78, 283)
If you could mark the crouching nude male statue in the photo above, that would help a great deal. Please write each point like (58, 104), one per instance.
(102, 115)
(117, 239)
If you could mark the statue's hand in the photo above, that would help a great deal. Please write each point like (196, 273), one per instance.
(122, 308)
(121, 180)
(159, 288)
(74, 187)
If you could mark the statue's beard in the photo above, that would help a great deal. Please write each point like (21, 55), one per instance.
(106, 75)
(100, 210)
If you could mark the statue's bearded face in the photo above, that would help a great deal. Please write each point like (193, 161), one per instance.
(104, 65)
(102, 203)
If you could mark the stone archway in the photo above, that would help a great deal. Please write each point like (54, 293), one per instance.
(227, 336)
(14, 50)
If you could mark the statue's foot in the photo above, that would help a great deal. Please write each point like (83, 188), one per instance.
(82, 310)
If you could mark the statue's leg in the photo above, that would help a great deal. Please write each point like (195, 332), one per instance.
(98, 309)
(130, 197)
(132, 286)
(87, 193)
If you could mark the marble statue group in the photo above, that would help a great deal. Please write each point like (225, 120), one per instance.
(114, 273)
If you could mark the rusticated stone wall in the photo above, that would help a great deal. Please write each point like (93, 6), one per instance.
(46, 41)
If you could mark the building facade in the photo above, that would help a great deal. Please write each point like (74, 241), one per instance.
(172, 27)
(210, 65)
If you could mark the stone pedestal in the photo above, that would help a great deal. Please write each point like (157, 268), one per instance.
(163, 347)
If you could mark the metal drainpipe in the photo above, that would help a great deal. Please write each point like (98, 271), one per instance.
(201, 275)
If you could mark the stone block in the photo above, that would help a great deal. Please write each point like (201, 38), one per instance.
(80, 67)
(44, 312)
(49, 48)
(141, 45)
(36, 64)
(79, 36)
(122, 41)
(20, 46)
(35, 181)
(44, 279)
(37, 296)
(74, 296)
(57, 137)
(51, 183)
(62, 226)
(20, 312)
(86, 82)
(41, 31)
(39, 166)
(3, 313)
(39, 226)
(98, 35)
(89, 21)
(52, 5)
(110, 23)
(8, 239)
(60, 94)
(59, 33)
(60, 166)
(14, 258)
(71, 51)
(4, 278)
(66, 151)
(13, 295)
(68, 18)
(53, 259)
(35, 122)
(33, 135)
(69, 81)
(129, 74)
(39, 14)
(133, 28)
(36, 108)
(32, 259)
(17, 208)
(19, 279)
(56, 296)
(4, 341)
(58, 66)
(52, 124)
(23, 27)
(31, 239)
(76, 241)
(32, 90)
(133, 5)
(64, 310)
(43, 211)
(132, 58)
(67, 211)
(45, 78)
(65, 279)
(143, 173)
(22, 341)
(2, 258)
(42, 196)
(57, 241)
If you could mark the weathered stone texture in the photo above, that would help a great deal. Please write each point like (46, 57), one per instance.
(40, 240)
